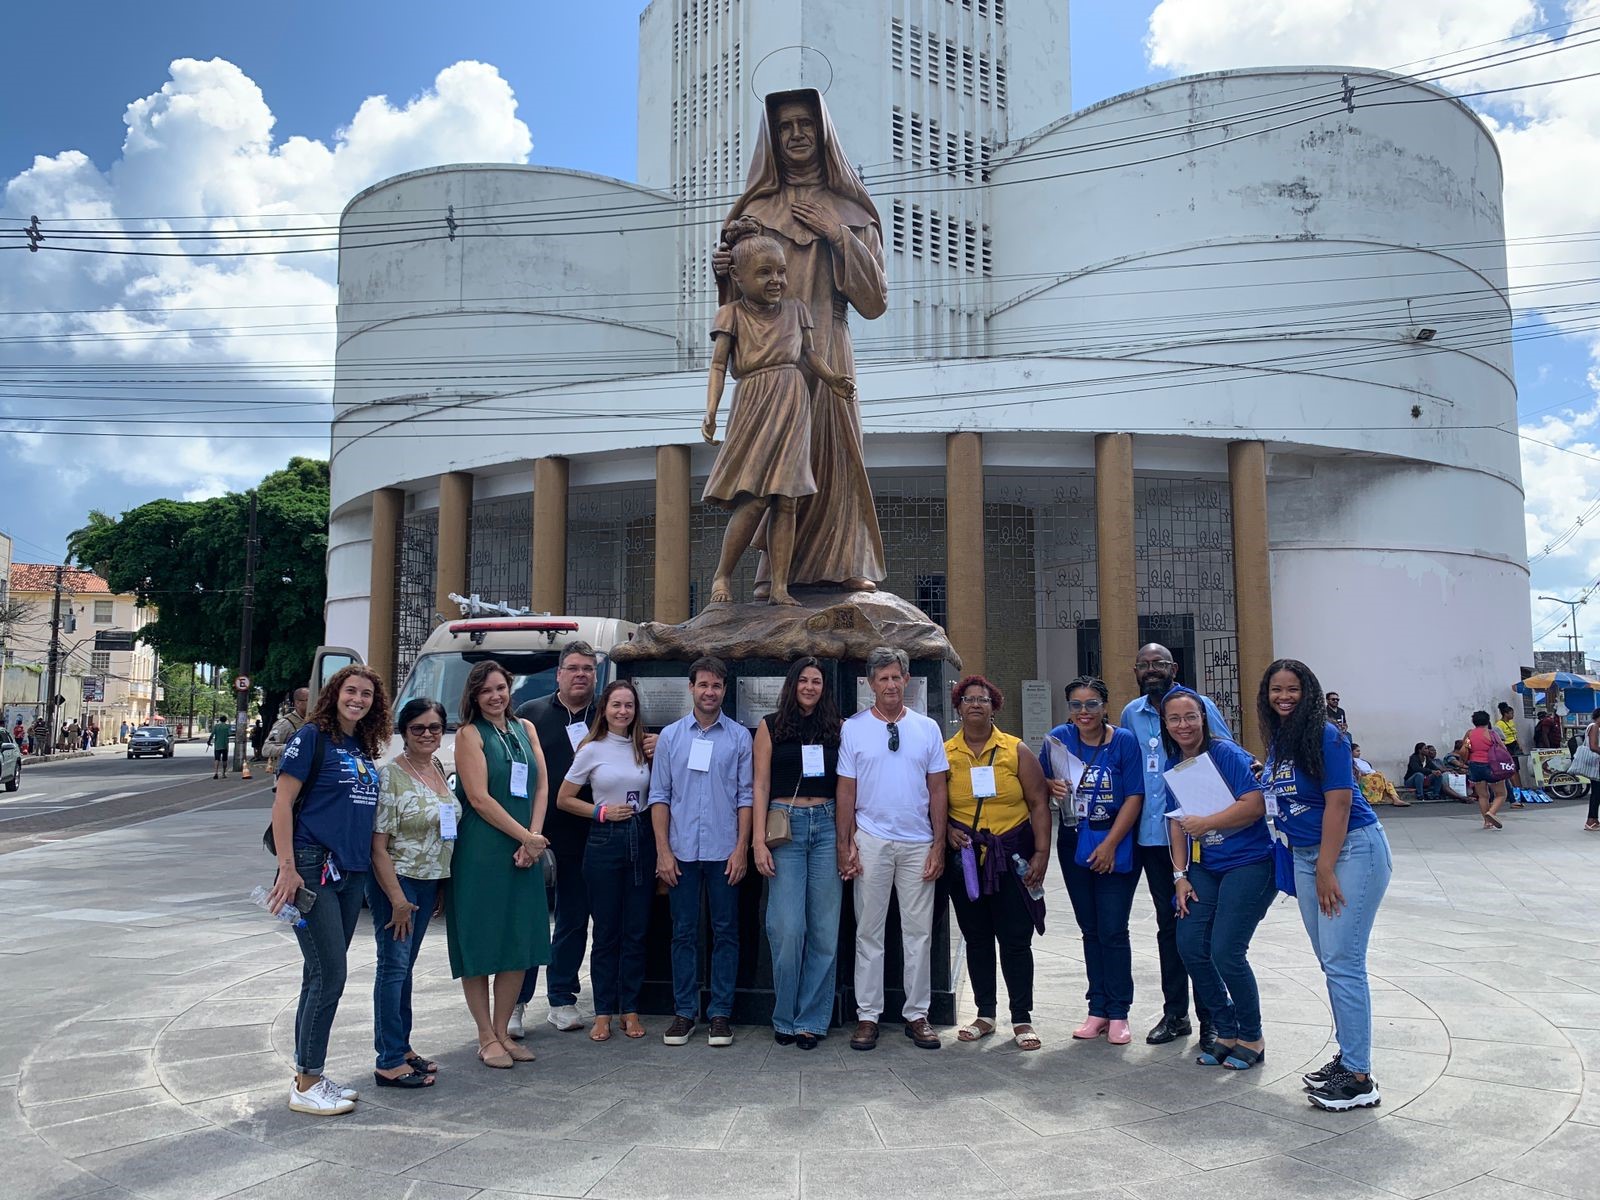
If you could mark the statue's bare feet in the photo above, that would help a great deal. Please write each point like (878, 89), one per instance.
(782, 596)
(763, 590)
(859, 584)
(721, 590)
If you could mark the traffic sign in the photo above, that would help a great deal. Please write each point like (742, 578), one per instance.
(241, 683)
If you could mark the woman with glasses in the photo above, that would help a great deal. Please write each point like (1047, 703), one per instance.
(999, 817)
(413, 838)
(619, 857)
(1222, 873)
(1100, 787)
(796, 771)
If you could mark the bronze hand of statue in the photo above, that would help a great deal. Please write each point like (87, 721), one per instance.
(819, 220)
(721, 260)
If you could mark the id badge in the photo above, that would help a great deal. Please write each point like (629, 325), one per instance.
(1152, 762)
(982, 782)
(633, 801)
(1080, 808)
(576, 732)
(519, 780)
(447, 822)
(1270, 795)
(811, 764)
(700, 754)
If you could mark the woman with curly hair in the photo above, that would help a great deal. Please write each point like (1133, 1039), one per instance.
(322, 816)
(999, 816)
(796, 771)
(1342, 865)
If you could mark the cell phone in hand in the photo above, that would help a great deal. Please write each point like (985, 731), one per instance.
(304, 899)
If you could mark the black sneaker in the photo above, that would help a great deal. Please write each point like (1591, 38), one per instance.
(1325, 1072)
(1344, 1091)
(721, 1033)
(679, 1032)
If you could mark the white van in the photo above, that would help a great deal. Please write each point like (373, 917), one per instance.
(527, 646)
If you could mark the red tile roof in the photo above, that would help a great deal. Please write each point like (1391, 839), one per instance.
(41, 577)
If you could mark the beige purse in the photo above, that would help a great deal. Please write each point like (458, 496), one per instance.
(779, 832)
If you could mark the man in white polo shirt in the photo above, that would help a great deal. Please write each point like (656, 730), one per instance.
(892, 806)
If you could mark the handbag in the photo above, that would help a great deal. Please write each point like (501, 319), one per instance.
(1501, 765)
(969, 852)
(1089, 838)
(1585, 761)
(779, 831)
(1282, 863)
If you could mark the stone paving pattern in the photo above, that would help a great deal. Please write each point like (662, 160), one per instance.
(147, 1044)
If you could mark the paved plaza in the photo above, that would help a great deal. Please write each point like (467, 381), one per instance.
(147, 1042)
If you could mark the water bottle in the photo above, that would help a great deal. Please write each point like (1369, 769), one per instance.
(1021, 864)
(288, 914)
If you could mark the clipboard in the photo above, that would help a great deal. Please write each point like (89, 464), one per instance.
(1199, 787)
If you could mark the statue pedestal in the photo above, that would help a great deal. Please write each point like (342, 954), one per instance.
(758, 641)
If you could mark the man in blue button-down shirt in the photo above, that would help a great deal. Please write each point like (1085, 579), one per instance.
(700, 797)
(1156, 672)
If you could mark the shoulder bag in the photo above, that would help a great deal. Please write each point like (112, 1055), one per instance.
(317, 757)
(1585, 761)
(1501, 765)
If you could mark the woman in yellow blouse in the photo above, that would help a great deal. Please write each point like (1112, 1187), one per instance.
(1000, 830)
(1506, 727)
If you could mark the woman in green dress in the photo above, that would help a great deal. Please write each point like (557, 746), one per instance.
(496, 916)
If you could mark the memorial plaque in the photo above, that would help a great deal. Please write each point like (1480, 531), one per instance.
(1036, 723)
(916, 694)
(663, 701)
(757, 695)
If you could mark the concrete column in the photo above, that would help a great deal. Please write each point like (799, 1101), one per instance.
(1252, 578)
(549, 589)
(672, 534)
(966, 597)
(388, 506)
(455, 540)
(1117, 587)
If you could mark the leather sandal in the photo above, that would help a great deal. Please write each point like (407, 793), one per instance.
(1025, 1038)
(980, 1028)
(411, 1079)
(518, 1051)
(1242, 1058)
(500, 1062)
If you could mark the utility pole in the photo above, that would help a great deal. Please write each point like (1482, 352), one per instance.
(247, 613)
(55, 659)
(1572, 608)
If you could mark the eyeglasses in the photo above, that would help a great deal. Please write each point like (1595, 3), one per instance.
(894, 737)
(1163, 663)
(982, 699)
(433, 730)
(1184, 719)
(576, 670)
(1085, 705)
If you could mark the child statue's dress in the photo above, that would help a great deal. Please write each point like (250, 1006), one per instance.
(768, 448)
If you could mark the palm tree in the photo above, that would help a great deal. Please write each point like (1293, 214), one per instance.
(80, 542)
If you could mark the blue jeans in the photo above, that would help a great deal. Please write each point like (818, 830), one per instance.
(1425, 788)
(1214, 938)
(1340, 942)
(1101, 904)
(723, 900)
(619, 876)
(571, 935)
(324, 945)
(391, 986)
(803, 900)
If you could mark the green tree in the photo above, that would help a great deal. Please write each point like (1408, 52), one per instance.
(186, 558)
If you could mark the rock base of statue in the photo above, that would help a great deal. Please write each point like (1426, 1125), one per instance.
(758, 642)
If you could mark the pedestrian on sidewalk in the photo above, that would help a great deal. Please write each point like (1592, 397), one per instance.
(221, 732)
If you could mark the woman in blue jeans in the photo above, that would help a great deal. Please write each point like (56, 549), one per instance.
(1100, 809)
(1222, 874)
(322, 813)
(413, 839)
(796, 771)
(1342, 866)
(619, 857)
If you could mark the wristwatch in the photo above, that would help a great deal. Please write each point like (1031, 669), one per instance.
(1177, 875)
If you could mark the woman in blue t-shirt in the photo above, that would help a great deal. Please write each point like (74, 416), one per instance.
(1342, 865)
(322, 830)
(1222, 873)
(1099, 812)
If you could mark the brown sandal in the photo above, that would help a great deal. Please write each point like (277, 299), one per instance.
(601, 1030)
(500, 1062)
(632, 1026)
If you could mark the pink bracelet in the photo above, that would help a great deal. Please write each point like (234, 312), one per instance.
(600, 812)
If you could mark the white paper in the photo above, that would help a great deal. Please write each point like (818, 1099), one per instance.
(1064, 764)
(700, 754)
(519, 780)
(812, 764)
(983, 782)
(447, 822)
(576, 732)
(1199, 787)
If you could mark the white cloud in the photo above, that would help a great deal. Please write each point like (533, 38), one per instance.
(1549, 139)
(199, 154)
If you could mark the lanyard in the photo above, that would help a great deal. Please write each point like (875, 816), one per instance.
(511, 745)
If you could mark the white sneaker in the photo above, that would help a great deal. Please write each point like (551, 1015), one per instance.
(565, 1018)
(514, 1026)
(321, 1099)
(345, 1093)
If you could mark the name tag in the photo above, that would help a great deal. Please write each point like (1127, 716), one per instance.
(447, 822)
(576, 732)
(700, 754)
(633, 801)
(1080, 806)
(519, 780)
(811, 764)
(1152, 762)
(1271, 797)
(982, 782)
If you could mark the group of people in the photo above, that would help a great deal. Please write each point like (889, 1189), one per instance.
(881, 800)
(73, 735)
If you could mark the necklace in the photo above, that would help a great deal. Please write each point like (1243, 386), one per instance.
(890, 720)
(411, 769)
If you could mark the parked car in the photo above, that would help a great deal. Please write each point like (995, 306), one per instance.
(10, 762)
(151, 739)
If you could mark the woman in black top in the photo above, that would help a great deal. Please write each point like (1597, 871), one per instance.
(796, 772)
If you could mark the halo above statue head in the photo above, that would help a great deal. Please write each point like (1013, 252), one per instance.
(790, 68)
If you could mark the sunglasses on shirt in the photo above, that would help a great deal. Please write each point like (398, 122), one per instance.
(894, 737)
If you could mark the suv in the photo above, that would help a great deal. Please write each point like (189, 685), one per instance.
(150, 739)
(10, 762)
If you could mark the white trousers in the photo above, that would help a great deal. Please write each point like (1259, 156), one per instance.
(885, 867)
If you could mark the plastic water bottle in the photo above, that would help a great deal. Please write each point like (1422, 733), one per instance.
(288, 914)
(1021, 864)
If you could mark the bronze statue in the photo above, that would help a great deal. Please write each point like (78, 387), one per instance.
(764, 468)
(810, 201)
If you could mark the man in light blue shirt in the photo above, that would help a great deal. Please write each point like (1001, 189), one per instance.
(700, 797)
(1156, 672)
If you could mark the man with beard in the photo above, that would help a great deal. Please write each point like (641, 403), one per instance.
(1155, 671)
